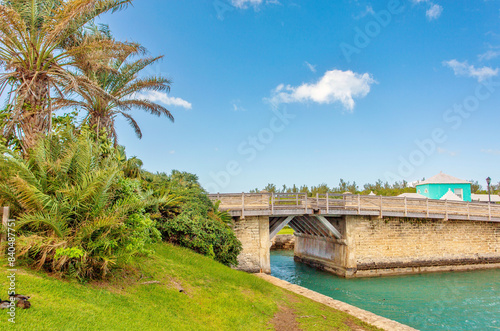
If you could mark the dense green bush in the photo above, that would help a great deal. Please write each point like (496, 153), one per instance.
(203, 235)
(75, 213)
(195, 223)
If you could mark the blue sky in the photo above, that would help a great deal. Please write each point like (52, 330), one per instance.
(308, 92)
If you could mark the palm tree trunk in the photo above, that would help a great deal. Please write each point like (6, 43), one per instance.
(35, 119)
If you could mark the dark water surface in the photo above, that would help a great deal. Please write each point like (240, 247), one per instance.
(438, 301)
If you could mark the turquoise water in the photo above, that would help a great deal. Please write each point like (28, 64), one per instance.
(438, 301)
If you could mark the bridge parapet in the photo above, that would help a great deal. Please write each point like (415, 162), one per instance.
(281, 204)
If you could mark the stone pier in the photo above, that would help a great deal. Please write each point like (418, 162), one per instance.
(253, 232)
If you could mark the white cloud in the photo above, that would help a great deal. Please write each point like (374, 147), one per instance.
(491, 151)
(244, 4)
(434, 12)
(468, 70)
(447, 152)
(237, 105)
(334, 86)
(310, 66)
(156, 96)
(171, 152)
(368, 10)
(488, 55)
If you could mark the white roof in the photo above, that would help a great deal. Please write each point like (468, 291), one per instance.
(371, 193)
(451, 196)
(413, 195)
(443, 178)
(485, 198)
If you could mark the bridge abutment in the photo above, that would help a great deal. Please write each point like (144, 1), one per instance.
(393, 246)
(253, 232)
(329, 253)
(323, 253)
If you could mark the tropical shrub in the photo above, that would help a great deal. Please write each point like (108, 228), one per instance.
(196, 223)
(203, 235)
(76, 215)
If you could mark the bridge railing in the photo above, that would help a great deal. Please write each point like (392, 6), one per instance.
(359, 204)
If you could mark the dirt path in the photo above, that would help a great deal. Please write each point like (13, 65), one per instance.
(284, 320)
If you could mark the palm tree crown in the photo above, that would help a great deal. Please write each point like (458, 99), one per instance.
(35, 63)
(126, 90)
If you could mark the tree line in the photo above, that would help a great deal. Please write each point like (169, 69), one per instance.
(378, 188)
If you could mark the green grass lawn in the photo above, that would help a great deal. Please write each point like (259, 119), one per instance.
(286, 230)
(215, 298)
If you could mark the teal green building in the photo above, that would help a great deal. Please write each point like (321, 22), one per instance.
(442, 184)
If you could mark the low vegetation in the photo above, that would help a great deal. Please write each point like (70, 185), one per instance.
(286, 230)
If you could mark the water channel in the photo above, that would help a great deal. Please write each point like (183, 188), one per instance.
(436, 301)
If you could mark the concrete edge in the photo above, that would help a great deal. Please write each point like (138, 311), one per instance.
(365, 316)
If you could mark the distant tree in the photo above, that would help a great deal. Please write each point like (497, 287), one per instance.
(320, 189)
(304, 189)
(271, 188)
(342, 185)
(353, 188)
(496, 188)
(475, 186)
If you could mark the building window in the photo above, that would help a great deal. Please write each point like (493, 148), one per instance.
(426, 191)
(418, 191)
(459, 192)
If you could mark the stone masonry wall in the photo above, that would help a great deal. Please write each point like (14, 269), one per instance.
(253, 232)
(283, 242)
(406, 243)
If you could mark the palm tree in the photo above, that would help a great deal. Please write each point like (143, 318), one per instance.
(35, 63)
(126, 89)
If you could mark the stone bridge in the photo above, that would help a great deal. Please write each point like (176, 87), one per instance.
(363, 236)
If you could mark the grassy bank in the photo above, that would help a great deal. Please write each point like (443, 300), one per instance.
(214, 297)
(286, 230)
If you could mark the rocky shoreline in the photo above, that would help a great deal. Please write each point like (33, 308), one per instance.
(283, 242)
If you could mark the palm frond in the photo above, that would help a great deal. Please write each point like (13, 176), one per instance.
(146, 105)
